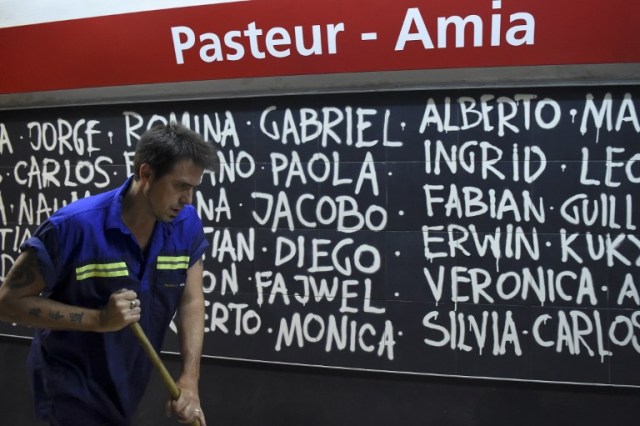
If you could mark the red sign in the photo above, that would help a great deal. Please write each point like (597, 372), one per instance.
(260, 38)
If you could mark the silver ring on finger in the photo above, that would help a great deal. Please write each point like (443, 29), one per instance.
(133, 304)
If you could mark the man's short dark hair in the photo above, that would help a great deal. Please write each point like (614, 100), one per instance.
(165, 145)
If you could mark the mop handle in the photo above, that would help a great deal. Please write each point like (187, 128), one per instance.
(174, 391)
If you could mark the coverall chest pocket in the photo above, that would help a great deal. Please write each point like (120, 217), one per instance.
(171, 271)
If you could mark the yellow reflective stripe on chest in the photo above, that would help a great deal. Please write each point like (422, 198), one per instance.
(173, 262)
(92, 270)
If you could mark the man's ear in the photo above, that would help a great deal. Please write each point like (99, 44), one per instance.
(146, 173)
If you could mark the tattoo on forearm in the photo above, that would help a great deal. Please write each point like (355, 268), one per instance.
(76, 317)
(56, 315)
(24, 273)
(35, 312)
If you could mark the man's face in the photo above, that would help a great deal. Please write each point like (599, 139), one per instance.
(169, 194)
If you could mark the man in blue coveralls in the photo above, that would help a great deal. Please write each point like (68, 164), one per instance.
(133, 254)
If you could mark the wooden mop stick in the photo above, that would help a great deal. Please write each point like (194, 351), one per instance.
(174, 391)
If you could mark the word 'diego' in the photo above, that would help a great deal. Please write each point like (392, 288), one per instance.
(327, 255)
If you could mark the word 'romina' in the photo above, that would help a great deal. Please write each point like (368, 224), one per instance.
(280, 42)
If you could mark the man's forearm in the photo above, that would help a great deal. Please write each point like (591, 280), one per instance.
(40, 312)
(191, 331)
(191, 324)
(20, 300)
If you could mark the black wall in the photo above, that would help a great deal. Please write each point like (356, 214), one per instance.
(482, 246)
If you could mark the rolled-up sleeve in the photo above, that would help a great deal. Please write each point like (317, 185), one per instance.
(44, 243)
(199, 244)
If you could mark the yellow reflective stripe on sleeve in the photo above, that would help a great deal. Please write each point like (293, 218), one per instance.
(173, 262)
(101, 270)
